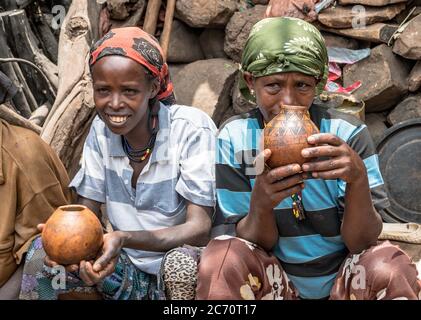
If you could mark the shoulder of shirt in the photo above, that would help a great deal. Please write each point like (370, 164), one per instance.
(15, 135)
(98, 124)
(241, 120)
(191, 116)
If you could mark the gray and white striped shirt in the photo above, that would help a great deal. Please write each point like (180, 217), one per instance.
(181, 167)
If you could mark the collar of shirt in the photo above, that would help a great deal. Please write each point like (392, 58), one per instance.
(160, 150)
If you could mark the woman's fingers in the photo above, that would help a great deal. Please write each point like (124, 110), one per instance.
(325, 165)
(287, 183)
(259, 163)
(50, 263)
(72, 268)
(331, 174)
(279, 196)
(325, 138)
(92, 277)
(108, 255)
(84, 274)
(283, 172)
(322, 151)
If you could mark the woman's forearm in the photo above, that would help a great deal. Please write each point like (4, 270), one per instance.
(361, 225)
(259, 227)
(195, 232)
(164, 239)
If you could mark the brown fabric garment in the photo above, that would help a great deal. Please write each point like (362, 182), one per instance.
(236, 269)
(33, 183)
(10, 290)
(389, 273)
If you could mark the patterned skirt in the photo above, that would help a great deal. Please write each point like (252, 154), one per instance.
(41, 282)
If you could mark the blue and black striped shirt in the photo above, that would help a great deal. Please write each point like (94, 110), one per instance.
(310, 251)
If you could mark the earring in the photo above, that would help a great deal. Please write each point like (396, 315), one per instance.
(252, 92)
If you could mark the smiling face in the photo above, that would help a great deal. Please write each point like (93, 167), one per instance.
(122, 91)
(273, 91)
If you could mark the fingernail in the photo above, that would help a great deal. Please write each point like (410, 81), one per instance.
(314, 174)
(305, 167)
(296, 167)
(311, 139)
(305, 153)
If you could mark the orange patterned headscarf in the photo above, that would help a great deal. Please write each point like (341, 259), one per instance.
(134, 43)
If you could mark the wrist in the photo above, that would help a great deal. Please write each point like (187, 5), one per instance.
(123, 237)
(361, 177)
(260, 209)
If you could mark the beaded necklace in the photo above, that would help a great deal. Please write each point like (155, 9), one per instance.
(140, 155)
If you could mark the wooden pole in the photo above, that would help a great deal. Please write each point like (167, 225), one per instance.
(151, 16)
(165, 37)
(17, 120)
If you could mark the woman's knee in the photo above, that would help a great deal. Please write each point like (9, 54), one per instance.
(180, 273)
(386, 263)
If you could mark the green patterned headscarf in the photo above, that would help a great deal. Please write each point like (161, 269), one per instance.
(284, 45)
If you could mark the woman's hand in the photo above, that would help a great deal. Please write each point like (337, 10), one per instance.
(92, 273)
(342, 163)
(273, 186)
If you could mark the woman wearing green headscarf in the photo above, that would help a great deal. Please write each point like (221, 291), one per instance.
(333, 251)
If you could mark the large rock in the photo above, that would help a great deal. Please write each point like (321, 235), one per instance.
(408, 44)
(409, 108)
(238, 30)
(301, 9)
(184, 44)
(121, 9)
(175, 68)
(239, 103)
(212, 43)
(227, 114)
(343, 102)
(349, 17)
(384, 78)
(206, 13)
(414, 80)
(207, 85)
(376, 33)
(376, 124)
(376, 3)
(410, 12)
(332, 40)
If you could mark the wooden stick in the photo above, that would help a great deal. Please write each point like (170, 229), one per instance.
(134, 20)
(45, 78)
(69, 120)
(20, 100)
(25, 88)
(151, 17)
(166, 33)
(39, 116)
(17, 120)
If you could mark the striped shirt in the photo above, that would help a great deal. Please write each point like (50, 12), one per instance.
(180, 168)
(310, 251)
